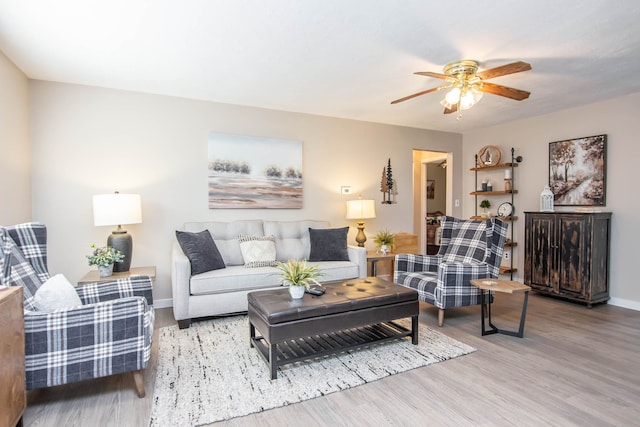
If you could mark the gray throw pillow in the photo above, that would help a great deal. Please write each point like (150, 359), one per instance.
(328, 244)
(201, 251)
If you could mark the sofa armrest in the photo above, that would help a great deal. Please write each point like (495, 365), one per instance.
(358, 255)
(180, 282)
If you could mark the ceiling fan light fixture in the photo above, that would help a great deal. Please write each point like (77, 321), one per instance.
(453, 96)
(470, 98)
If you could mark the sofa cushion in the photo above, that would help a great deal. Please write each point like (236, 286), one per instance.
(258, 251)
(292, 237)
(329, 244)
(56, 293)
(225, 234)
(468, 242)
(201, 251)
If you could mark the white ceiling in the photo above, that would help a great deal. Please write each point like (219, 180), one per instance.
(340, 58)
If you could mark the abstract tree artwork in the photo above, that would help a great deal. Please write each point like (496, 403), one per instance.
(577, 171)
(247, 172)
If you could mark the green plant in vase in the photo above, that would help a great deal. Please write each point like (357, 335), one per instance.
(104, 257)
(485, 204)
(299, 275)
(385, 241)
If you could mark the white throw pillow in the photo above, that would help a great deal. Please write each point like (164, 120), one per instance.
(258, 251)
(56, 293)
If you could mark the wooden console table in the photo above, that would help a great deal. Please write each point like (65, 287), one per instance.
(13, 395)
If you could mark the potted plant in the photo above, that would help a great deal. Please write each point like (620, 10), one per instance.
(104, 257)
(485, 204)
(298, 275)
(385, 241)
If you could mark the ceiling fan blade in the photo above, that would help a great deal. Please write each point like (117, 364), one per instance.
(505, 91)
(424, 92)
(453, 109)
(431, 74)
(503, 70)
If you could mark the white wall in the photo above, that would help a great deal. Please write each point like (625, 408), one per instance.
(89, 140)
(15, 162)
(618, 119)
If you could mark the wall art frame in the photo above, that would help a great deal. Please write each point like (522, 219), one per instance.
(578, 171)
(249, 172)
(431, 189)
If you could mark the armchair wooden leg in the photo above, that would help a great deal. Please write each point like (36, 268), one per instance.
(139, 381)
(440, 317)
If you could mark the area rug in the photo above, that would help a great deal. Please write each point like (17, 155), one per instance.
(209, 373)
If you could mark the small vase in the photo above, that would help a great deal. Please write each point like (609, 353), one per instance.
(105, 271)
(296, 292)
(384, 249)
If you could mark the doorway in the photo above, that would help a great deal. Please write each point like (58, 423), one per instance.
(432, 195)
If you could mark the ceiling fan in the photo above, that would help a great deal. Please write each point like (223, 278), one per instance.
(467, 84)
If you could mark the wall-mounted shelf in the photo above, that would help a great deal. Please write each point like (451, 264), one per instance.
(504, 269)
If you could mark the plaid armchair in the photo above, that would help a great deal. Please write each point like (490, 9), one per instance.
(109, 334)
(468, 250)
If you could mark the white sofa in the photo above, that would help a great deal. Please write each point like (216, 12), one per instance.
(224, 291)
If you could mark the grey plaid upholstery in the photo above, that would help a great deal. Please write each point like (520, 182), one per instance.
(110, 334)
(469, 250)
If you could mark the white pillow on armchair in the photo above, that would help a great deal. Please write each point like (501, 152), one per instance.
(56, 293)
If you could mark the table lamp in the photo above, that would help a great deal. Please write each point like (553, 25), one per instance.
(361, 209)
(118, 209)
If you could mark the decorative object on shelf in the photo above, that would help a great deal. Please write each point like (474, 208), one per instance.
(546, 200)
(388, 185)
(384, 240)
(298, 275)
(118, 209)
(577, 171)
(489, 155)
(489, 186)
(508, 185)
(483, 185)
(485, 204)
(361, 209)
(505, 209)
(104, 258)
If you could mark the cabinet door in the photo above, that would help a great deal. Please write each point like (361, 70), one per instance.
(574, 258)
(539, 250)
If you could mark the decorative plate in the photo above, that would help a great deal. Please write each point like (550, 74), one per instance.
(489, 155)
(505, 209)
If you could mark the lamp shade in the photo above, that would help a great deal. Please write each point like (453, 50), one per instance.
(116, 209)
(361, 209)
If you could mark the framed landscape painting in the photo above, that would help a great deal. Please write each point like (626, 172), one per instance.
(577, 171)
(247, 172)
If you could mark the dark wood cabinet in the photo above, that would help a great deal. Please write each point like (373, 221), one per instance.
(13, 397)
(567, 254)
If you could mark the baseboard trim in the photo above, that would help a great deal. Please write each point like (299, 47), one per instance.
(625, 303)
(163, 303)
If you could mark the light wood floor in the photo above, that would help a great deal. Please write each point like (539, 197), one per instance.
(575, 366)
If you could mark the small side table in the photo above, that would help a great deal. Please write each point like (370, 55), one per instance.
(94, 277)
(374, 257)
(505, 286)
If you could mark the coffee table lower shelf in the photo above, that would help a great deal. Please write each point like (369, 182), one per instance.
(325, 344)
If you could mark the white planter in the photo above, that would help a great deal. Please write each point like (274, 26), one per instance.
(296, 292)
(105, 271)
(384, 249)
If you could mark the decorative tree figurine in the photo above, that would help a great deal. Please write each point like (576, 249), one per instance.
(387, 184)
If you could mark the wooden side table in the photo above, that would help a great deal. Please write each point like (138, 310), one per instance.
(13, 395)
(505, 286)
(93, 276)
(374, 257)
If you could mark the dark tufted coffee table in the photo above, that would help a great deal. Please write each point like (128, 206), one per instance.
(351, 314)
